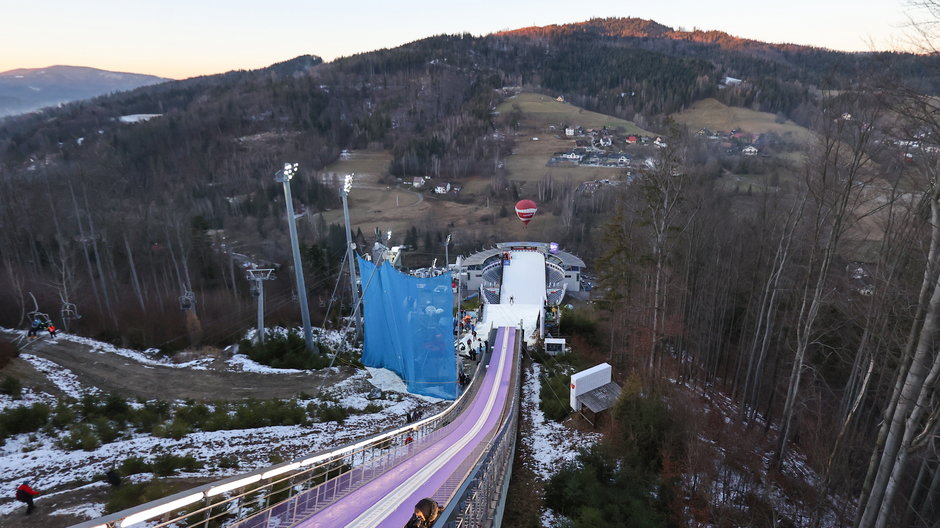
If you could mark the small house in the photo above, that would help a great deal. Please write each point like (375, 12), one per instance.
(749, 150)
(418, 182)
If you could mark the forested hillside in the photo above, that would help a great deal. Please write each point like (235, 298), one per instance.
(802, 281)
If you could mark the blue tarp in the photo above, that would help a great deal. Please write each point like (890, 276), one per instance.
(409, 328)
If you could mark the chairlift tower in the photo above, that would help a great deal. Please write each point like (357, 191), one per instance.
(257, 276)
(344, 195)
(446, 256)
(284, 176)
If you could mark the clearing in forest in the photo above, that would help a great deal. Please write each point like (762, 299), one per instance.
(716, 116)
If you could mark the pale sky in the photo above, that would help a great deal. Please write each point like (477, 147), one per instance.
(179, 39)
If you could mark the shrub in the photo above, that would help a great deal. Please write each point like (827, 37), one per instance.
(8, 351)
(116, 409)
(577, 323)
(80, 436)
(228, 462)
(106, 430)
(130, 495)
(325, 412)
(195, 415)
(63, 417)
(167, 464)
(287, 352)
(11, 387)
(20, 420)
(150, 415)
(134, 465)
(553, 395)
(176, 429)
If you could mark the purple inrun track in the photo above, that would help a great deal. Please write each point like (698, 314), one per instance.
(389, 499)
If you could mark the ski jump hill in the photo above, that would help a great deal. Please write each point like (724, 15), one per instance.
(461, 457)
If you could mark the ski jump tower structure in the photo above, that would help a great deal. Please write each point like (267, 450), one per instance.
(461, 457)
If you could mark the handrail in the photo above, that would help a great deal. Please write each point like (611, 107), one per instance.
(310, 470)
(473, 502)
(269, 488)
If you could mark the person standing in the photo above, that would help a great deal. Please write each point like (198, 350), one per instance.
(24, 493)
(52, 330)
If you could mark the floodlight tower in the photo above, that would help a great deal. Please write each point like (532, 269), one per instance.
(258, 276)
(284, 176)
(344, 194)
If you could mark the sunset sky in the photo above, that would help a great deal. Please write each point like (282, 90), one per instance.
(178, 39)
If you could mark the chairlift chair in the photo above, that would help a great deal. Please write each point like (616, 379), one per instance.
(187, 300)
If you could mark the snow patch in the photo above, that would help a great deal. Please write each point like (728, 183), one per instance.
(550, 444)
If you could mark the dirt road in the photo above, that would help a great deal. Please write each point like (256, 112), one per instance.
(115, 373)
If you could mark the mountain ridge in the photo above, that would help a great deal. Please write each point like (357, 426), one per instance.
(23, 90)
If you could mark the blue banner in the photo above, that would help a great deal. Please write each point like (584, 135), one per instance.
(409, 326)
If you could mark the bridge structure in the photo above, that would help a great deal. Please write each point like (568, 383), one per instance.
(461, 457)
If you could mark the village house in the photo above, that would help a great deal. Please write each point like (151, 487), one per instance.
(442, 189)
(749, 150)
(418, 182)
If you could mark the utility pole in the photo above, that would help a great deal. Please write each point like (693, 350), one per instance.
(284, 176)
(350, 257)
(258, 276)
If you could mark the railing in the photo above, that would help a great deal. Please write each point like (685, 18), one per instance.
(552, 267)
(481, 499)
(330, 474)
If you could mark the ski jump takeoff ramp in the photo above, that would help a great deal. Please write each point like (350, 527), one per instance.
(389, 499)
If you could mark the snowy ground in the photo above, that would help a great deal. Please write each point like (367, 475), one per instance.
(550, 444)
(37, 459)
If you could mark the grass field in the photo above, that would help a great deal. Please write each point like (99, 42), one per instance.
(398, 207)
(713, 115)
(366, 164)
(541, 111)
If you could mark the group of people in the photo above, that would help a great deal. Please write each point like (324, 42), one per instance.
(39, 325)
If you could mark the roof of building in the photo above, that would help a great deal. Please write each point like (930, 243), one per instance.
(567, 259)
(601, 398)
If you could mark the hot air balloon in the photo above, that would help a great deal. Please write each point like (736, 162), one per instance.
(525, 210)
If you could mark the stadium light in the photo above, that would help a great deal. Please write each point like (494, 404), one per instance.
(284, 176)
(350, 256)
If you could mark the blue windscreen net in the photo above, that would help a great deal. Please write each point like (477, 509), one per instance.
(409, 328)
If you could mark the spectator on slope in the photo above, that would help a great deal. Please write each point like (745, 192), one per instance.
(113, 478)
(24, 493)
(52, 330)
(33, 328)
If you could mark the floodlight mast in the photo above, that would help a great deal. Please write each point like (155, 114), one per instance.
(284, 176)
(344, 194)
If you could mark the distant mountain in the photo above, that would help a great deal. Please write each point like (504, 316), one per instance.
(649, 29)
(25, 90)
